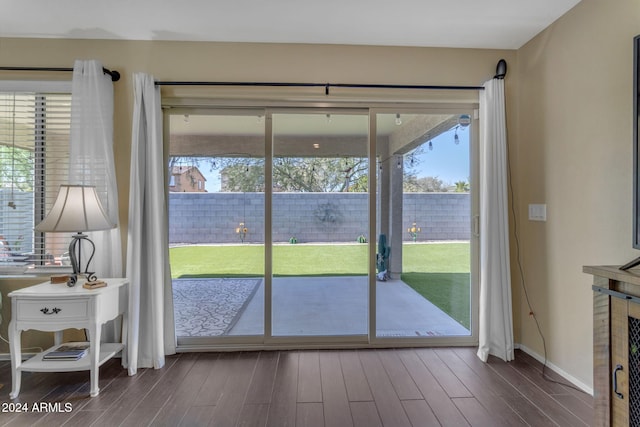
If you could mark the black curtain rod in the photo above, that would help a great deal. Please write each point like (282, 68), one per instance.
(501, 72)
(326, 86)
(115, 76)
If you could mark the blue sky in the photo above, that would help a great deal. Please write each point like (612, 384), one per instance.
(213, 178)
(447, 161)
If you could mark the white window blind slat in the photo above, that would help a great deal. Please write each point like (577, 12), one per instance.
(34, 159)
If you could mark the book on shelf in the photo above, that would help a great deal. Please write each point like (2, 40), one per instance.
(67, 352)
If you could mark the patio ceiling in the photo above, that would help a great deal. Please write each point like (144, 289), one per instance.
(301, 135)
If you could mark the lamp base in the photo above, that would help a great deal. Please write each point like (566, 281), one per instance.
(75, 255)
(75, 278)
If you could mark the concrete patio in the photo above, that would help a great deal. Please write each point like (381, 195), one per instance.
(328, 306)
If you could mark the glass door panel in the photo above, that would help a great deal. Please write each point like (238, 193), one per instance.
(320, 222)
(424, 217)
(216, 223)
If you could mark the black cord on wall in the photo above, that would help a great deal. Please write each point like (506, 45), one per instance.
(532, 313)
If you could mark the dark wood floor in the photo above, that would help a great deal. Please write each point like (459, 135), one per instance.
(407, 387)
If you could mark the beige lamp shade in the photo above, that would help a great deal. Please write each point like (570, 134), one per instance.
(77, 208)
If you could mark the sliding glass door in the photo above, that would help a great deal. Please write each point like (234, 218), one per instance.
(216, 223)
(320, 224)
(425, 214)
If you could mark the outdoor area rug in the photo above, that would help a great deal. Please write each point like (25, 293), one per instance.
(210, 307)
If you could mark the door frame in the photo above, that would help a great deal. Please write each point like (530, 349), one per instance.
(213, 106)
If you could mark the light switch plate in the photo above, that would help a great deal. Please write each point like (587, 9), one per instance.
(537, 212)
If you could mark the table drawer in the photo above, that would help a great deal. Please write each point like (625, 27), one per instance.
(53, 310)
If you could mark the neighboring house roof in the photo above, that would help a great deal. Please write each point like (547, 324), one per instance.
(180, 170)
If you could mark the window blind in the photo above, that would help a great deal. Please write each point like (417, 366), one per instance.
(34, 161)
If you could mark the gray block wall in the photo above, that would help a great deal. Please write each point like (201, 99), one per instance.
(310, 217)
(441, 216)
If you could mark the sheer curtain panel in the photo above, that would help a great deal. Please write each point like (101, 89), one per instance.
(151, 326)
(91, 160)
(496, 321)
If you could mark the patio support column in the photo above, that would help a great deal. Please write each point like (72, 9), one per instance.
(384, 186)
(394, 209)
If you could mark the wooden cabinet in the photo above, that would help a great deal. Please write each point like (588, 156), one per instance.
(616, 346)
(625, 320)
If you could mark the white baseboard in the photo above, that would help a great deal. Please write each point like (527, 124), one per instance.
(573, 380)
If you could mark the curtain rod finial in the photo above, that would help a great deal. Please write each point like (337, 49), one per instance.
(115, 76)
(501, 69)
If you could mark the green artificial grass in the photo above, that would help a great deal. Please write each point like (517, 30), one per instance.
(320, 260)
(448, 291)
(288, 260)
(439, 272)
(216, 261)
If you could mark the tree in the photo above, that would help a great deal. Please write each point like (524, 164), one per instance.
(317, 174)
(462, 186)
(428, 184)
(411, 183)
(243, 177)
(290, 174)
(16, 167)
(298, 174)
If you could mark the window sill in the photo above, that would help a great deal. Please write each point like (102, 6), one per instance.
(18, 271)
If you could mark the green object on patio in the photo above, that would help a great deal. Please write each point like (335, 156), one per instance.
(382, 257)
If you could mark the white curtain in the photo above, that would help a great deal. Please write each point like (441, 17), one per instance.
(496, 321)
(151, 326)
(91, 160)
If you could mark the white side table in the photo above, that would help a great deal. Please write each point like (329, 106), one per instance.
(55, 307)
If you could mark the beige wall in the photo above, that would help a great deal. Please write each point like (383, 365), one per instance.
(248, 62)
(569, 118)
(573, 152)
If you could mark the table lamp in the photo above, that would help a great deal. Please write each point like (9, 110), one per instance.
(77, 208)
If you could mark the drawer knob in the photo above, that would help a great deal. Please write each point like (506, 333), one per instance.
(54, 310)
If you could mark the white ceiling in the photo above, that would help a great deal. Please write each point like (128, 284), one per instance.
(498, 24)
